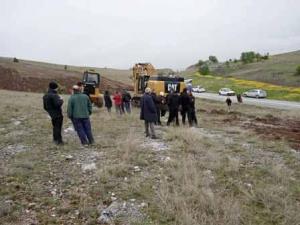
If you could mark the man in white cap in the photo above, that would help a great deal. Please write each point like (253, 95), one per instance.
(148, 113)
(79, 111)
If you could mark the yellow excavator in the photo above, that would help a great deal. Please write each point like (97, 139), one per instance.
(91, 86)
(145, 75)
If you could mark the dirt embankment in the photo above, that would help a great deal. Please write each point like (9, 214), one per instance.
(37, 81)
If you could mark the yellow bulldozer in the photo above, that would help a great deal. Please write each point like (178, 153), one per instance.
(145, 75)
(91, 86)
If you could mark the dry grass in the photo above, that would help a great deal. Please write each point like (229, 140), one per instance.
(217, 174)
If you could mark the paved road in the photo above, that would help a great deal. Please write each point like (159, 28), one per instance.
(253, 101)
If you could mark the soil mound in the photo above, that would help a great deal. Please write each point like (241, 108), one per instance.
(35, 81)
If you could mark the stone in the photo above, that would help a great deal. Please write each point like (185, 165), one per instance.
(128, 213)
(17, 123)
(69, 157)
(69, 130)
(88, 167)
(136, 169)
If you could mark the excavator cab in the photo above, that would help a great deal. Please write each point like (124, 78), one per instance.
(142, 83)
(91, 87)
(145, 75)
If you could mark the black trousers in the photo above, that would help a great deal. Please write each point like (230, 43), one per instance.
(184, 113)
(194, 117)
(173, 114)
(158, 115)
(57, 125)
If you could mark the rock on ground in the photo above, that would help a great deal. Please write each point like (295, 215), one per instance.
(128, 212)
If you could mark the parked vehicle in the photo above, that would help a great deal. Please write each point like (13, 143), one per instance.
(226, 92)
(198, 89)
(255, 93)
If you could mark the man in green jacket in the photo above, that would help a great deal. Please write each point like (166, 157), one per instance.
(79, 111)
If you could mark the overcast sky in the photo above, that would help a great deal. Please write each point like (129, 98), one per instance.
(167, 33)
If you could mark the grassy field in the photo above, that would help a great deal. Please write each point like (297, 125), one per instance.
(223, 172)
(278, 69)
(214, 83)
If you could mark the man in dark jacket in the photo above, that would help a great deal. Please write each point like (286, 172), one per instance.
(79, 111)
(126, 98)
(194, 120)
(173, 101)
(156, 103)
(228, 102)
(107, 100)
(148, 113)
(52, 104)
(185, 102)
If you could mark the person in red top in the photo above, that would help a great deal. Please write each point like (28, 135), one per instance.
(118, 102)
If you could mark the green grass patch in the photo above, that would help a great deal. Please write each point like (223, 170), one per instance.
(214, 83)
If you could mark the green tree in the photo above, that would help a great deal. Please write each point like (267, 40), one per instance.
(258, 57)
(200, 63)
(15, 60)
(298, 71)
(248, 57)
(204, 69)
(213, 59)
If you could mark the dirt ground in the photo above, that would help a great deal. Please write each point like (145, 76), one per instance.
(267, 126)
(33, 78)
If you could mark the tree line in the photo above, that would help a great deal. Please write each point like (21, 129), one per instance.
(245, 58)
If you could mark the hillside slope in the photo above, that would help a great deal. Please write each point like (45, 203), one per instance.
(278, 69)
(34, 76)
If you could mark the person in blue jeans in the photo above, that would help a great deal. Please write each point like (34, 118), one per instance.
(79, 111)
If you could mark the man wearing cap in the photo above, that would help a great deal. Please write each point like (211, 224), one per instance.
(79, 111)
(148, 113)
(52, 104)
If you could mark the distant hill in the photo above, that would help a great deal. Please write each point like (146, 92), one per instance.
(34, 76)
(278, 69)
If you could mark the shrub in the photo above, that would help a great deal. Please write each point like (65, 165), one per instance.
(265, 57)
(298, 71)
(204, 69)
(200, 63)
(15, 60)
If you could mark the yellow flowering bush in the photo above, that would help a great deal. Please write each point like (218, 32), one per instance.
(214, 83)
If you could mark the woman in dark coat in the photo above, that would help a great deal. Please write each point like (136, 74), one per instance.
(148, 113)
(107, 100)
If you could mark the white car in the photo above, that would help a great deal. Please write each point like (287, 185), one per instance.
(226, 92)
(255, 93)
(198, 89)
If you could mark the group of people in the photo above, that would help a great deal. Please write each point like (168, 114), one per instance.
(79, 110)
(122, 102)
(153, 107)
